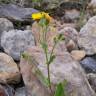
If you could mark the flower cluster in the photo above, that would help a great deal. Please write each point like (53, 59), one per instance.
(40, 15)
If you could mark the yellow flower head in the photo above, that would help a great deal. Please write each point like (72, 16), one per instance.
(39, 15)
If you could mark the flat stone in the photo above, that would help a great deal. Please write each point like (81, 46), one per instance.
(78, 54)
(16, 13)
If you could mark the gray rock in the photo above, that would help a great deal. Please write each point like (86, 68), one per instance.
(92, 80)
(20, 92)
(63, 68)
(6, 90)
(70, 35)
(72, 14)
(45, 4)
(9, 72)
(5, 25)
(87, 37)
(15, 42)
(92, 4)
(89, 64)
(16, 13)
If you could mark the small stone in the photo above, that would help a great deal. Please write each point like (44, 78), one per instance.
(9, 72)
(71, 45)
(92, 80)
(72, 14)
(89, 64)
(78, 54)
(69, 33)
(6, 90)
(5, 25)
(20, 92)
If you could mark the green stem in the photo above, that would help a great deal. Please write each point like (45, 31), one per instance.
(53, 49)
(48, 68)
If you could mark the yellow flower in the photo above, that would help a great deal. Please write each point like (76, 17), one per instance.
(39, 15)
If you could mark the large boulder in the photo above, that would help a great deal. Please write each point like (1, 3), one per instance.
(15, 42)
(63, 68)
(9, 72)
(87, 37)
(16, 13)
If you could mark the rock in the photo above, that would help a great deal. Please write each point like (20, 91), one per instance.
(63, 68)
(92, 4)
(70, 35)
(15, 42)
(20, 92)
(6, 90)
(92, 80)
(9, 72)
(44, 4)
(71, 45)
(71, 15)
(78, 54)
(2, 91)
(89, 64)
(87, 37)
(5, 25)
(11, 11)
(72, 4)
(38, 34)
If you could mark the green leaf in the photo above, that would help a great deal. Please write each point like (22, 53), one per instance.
(51, 59)
(46, 82)
(60, 37)
(59, 90)
(25, 56)
(43, 79)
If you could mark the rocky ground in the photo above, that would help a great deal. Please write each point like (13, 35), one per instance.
(75, 56)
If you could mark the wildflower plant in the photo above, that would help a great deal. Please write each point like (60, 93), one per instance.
(44, 20)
